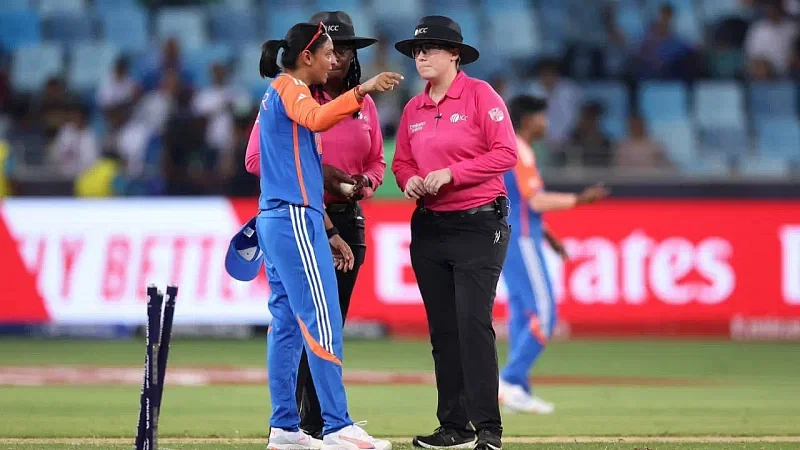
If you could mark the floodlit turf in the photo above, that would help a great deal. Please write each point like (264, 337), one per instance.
(755, 361)
(243, 411)
(717, 389)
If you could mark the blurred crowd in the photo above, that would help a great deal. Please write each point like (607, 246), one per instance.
(159, 132)
(153, 135)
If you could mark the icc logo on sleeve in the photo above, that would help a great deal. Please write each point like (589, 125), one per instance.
(496, 114)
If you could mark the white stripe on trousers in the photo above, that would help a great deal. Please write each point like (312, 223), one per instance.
(530, 257)
(323, 301)
(297, 214)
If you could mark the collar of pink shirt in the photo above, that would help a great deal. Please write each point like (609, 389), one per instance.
(455, 91)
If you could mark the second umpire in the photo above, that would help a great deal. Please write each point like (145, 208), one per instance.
(454, 143)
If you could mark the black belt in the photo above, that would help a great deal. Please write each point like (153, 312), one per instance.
(339, 208)
(490, 207)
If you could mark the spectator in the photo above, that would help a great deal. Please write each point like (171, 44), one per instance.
(389, 106)
(103, 179)
(726, 56)
(589, 145)
(189, 163)
(156, 107)
(5, 103)
(54, 108)
(118, 87)
(792, 8)
(239, 182)
(585, 53)
(563, 98)
(5, 169)
(772, 37)
(639, 151)
(127, 138)
(25, 136)
(616, 51)
(760, 69)
(5, 92)
(662, 53)
(75, 148)
(170, 62)
(794, 65)
(215, 103)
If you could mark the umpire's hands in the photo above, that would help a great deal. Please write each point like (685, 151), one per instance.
(333, 177)
(436, 179)
(363, 188)
(415, 188)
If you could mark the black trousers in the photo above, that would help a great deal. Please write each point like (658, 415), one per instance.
(457, 260)
(349, 221)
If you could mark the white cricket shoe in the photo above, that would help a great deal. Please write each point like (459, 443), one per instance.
(316, 443)
(290, 440)
(354, 438)
(515, 399)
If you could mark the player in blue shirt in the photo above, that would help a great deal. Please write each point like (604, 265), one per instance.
(531, 308)
(292, 233)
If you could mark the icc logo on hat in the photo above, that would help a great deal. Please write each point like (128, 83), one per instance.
(244, 257)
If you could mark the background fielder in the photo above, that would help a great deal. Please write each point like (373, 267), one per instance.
(532, 311)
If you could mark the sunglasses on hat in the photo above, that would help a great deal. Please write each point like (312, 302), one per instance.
(320, 32)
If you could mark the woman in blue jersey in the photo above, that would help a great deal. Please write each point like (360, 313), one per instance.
(291, 228)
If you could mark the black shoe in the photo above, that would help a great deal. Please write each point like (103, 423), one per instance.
(488, 440)
(446, 438)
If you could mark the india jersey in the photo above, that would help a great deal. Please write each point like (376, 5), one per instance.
(289, 122)
(522, 183)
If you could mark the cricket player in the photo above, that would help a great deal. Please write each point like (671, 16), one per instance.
(291, 230)
(532, 313)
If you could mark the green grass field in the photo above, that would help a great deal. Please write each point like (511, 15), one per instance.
(645, 391)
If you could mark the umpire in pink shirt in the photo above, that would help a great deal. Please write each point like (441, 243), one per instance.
(454, 143)
(354, 146)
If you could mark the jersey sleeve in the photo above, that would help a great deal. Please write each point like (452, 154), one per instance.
(252, 158)
(302, 108)
(527, 175)
(404, 166)
(499, 134)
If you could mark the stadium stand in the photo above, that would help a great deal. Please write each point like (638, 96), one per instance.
(631, 56)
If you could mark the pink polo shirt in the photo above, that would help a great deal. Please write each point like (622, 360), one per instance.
(469, 131)
(354, 146)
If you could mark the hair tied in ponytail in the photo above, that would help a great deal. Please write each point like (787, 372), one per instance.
(284, 44)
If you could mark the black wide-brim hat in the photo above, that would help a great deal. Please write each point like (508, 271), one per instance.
(443, 30)
(340, 28)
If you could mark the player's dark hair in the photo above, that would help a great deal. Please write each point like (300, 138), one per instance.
(351, 80)
(292, 44)
(524, 105)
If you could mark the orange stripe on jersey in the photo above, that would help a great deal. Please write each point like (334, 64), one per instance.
(296, 142)
(525, 172)
(528, 181)
(315, 346)
(303, 109)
